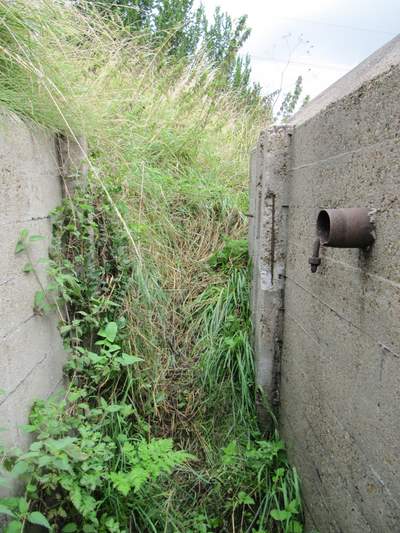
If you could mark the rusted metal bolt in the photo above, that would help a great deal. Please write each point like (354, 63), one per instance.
(315, 260)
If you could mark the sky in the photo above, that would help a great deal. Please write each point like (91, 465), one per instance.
(320, 40)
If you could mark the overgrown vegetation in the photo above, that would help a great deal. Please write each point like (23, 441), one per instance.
(148, 272)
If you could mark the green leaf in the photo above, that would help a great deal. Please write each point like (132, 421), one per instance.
(114, 408)
(5, 510)
(19, 247)
(230, 453)
(75, 453)
(109, 332)
(28, 428)
(10, 503)
(14, 527)
(23, 506)
(295, 527)
(126, 360)
(89, 528)
(279, 473)
(292, 507)
(94, 358)
(70, 528)
(28, 267)
(20, 468)
(34, 238)
(40, 299)
(38, 519)
(121, 482)
(23, 234)
(279, 515)
(245, 498)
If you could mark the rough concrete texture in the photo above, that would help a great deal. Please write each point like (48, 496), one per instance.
(31, 351)
(340, 356)
(267, 235)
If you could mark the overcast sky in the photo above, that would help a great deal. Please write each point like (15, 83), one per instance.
(319, 39)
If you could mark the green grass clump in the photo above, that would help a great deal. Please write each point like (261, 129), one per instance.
(157, 429)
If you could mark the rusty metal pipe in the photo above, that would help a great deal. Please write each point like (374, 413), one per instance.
(345, 228)
(342, 228)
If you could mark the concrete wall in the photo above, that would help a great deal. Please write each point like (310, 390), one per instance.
(31, 351)
(334, 335)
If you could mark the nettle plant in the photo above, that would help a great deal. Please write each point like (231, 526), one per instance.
(92, 457)
(97, 462)
(77, 467)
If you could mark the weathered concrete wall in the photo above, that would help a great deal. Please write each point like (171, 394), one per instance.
(340, 329)
(31, 351)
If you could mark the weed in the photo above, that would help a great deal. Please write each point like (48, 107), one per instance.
(156, 430)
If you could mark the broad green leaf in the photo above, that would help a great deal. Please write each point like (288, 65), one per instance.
(19, 247)
(23, 234)
(75, 453)
(39, 300)
(5, 510)
(109, 332)
(89, 528)
(10, 503)
(230, 453)
(14, 527)
(279, 515)
(38, 519)
(34, 238)
(295, 527)
(28, 267)
(23, 506)
(70, 528)
(60, 444)
(20, 468)
(28, 428)
(292, 507)
(94, 358)
(245, 498)
(126, 360)
(114, 408)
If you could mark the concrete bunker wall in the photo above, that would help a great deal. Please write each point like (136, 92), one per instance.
(32, 165)
(328, 344)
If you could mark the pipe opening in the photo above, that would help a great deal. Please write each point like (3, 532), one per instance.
(323, 226)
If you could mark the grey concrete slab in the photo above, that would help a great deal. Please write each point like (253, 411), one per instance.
(340, 357)
(31, 350)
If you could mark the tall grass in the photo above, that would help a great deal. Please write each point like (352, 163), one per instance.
(168, 163)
